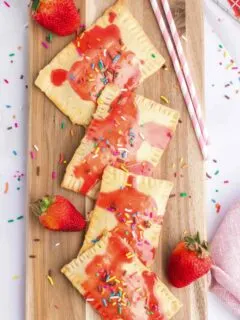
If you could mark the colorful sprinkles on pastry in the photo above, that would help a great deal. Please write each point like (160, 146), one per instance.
(120, 286)
(135, 214)
(113, 50)
(119, 138)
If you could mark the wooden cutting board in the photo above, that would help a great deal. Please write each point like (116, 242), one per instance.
(54, 249)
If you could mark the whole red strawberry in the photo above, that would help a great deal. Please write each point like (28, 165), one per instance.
(58, 214)
(58, 16)
(189, 261)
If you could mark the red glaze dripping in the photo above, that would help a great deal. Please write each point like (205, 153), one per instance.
(102, 60)
(235, 6)
(118, 137)
(137, 300)
(135, 212)
(112, 16)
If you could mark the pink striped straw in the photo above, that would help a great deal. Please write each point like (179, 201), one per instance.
(181, 79)
(186, 71)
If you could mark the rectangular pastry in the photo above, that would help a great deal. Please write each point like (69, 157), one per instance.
(133, 207)
(114, 50)
(117, 285)
(128, 131)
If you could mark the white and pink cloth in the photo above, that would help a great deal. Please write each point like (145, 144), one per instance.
(225, 250)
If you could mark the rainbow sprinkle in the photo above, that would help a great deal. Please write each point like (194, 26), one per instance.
(45, 45)
(164, 99)
(6, 4)
(50, 279)
(54, 175)
(183, 194)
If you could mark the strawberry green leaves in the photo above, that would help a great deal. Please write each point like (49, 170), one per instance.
(35, 4)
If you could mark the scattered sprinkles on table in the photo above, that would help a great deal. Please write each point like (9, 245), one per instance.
(18, 175)
(36, 147)
(49, 37)
(49, 277)
(218, 207)
(6, 187)
(228, 63)
(183, 194)
(16, 219)
(164, 99)
(215, 177)
(54, 175)
(32, 155)
(44, 44)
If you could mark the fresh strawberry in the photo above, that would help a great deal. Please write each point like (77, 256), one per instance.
(58, 16)
(58, 214)
(189, 261)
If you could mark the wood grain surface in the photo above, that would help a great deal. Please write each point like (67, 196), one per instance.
(61, 301)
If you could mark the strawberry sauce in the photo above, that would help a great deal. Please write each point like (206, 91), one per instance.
(58, 76)
(117, 139)
(135, 212)
(102, 60)
(117, 293)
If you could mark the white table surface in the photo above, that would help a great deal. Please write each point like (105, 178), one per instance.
(222, 122)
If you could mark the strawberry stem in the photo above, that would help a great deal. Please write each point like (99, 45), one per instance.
(35, 4)
(45, 203)
(197, 238)
(41, 206)
(193, 243)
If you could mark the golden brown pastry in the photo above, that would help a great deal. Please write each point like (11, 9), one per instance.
(133, 207)
(114, 50)
(128, 131)
(117, 285)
